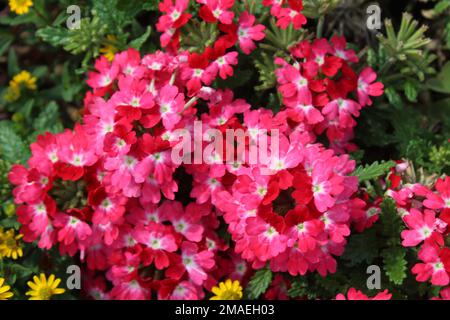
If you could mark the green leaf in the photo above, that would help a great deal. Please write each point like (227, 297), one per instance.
(332, 284)
(441, 6)
(407, 127)
(21, 271)
(394, 98)
(69, 87)
(447, 33)
(372, 58)
(25, 110)
(12, 147)
(411, 91)
(5, 41)
(361, 248)
(299, 288)
(259, 283)
(8, 223)
(19, 19)
(391, 221)
(56, 36)
(40, 71)
(13, 64)
(442, 81)
(150, 6)
(48, 120)
(395, 264)
(373, 171)
(138, 42)
(117, 14)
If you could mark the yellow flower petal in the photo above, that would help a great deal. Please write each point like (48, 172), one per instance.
(33, 285)
(4, 289)
(55, 284)
(216, 290)
(50, 280)
(59, 291)
(43, 280)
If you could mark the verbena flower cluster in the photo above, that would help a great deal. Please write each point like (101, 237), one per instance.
(144, 226)
(426, 214)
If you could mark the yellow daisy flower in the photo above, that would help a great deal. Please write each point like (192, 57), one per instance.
(109, 49)
(20, 6)
(43, 288)
(10, 245)
(23, 79)
(5, 294)
(228, 290)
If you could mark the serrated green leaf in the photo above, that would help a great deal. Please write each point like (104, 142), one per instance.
(373, 171)
(56, 36)
(298, 289)
(259, 283)
(12, 147)
(391, 221)
(395, 264)
(361, 248)
(48, 119)
(117, 14)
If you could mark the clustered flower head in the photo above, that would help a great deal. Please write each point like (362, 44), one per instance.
(234, 30)
(105, 191)
(293, 212)
(321, 91)
(145, 226)
(426, 214)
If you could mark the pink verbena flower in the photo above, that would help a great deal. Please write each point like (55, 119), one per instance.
(435, 266)
(291, 15)
(423, 227)
(354, 294)
(367, 87)
(217, 10)
(247, 32)
(158, 240)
